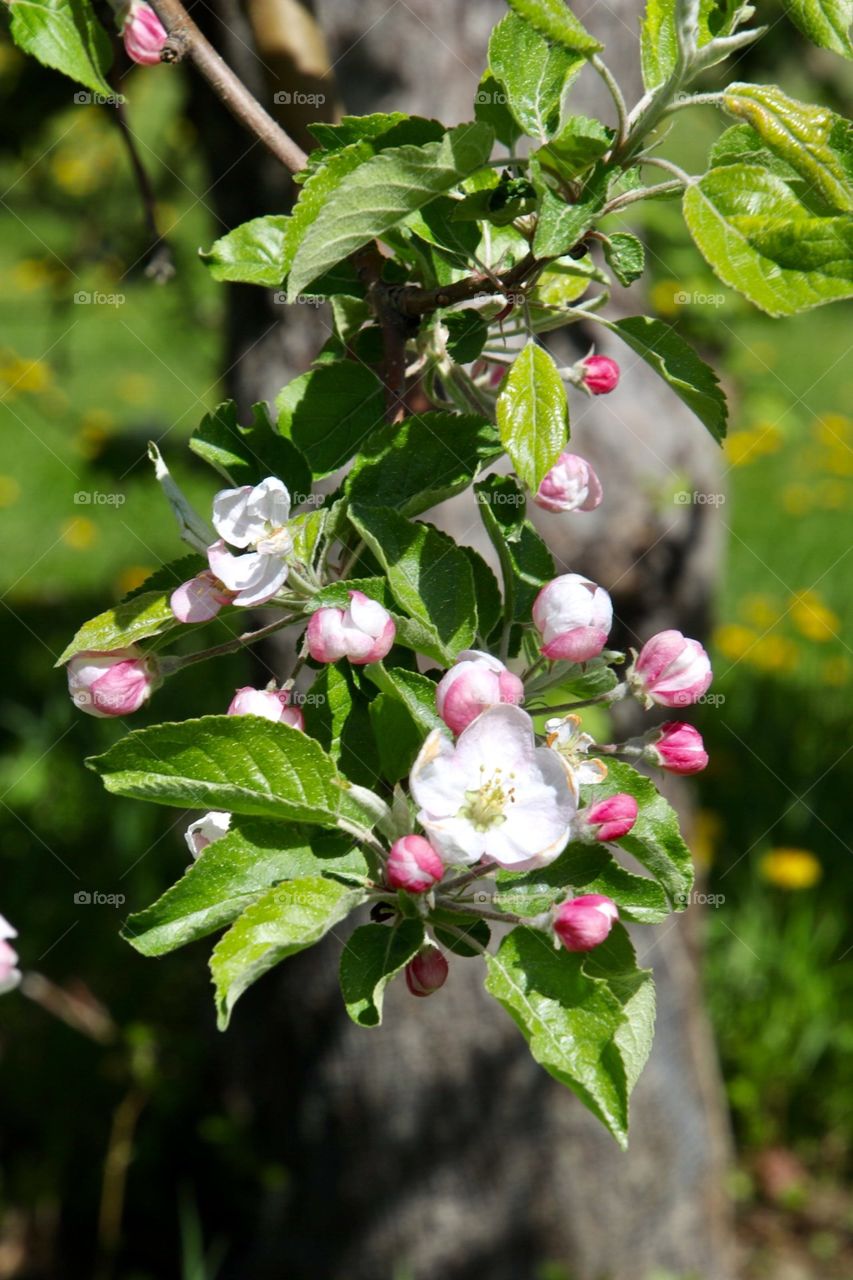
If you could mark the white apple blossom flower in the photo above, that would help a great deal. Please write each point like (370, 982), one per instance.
(571, 745)
(254, 517)
(205, 830)
(494, 794)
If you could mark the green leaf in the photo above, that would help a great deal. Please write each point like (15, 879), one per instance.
(467, 334)
(580, 142)
(429, 576)
(825, 22)
(490, 106)
(64, 35)
(562, 226)
(285, 920)
(526, 562)
(374, 954)
(659, 46)
(533, 74)
(455, 242)
(533, 414)
(421, 461)
(585, 868)
(247, 455)
(487, 591)
(449, 924)
(668, 354)
(615, 962)
(337, 716)
(814, 141)
(655, 839)
(231, 874)
(414, 691)
(556, 21)
(568, 1019)
(256, 252)
(740, 144)
(383, 129)
(241, 764)
(383, 191)
(329, 411)
(761, 239)
(625, 256)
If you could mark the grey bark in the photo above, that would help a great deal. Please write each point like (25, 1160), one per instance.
(434, 1147)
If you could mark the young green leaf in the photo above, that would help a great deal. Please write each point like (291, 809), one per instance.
(329, 411)
(740, 144)
(563, 225)
(247, 455)
(555, 20)
(64, 35)
(383, 191)
(658, 42)
(583, 868)
(615, 962)
(232, 873)
(414, 691)
(491, 107)
(668, 354)
(337, 716)
(533, 73)
(533, 414)
(760, 238)
(256, 252)
(371, 957)
(526, 562)
(429, 576)
(580, 142)
(825, 22)
(625, 256)
(285, 920)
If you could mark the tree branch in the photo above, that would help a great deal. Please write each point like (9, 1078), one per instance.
(186, 40)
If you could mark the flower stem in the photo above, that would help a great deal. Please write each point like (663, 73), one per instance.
(173, 662)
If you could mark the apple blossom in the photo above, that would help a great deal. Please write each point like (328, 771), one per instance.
(609, 819)
(252, 517)
(670, 670)
(584, 922)
(413, 865)
(363, 632)
(574, 617)
(494, 794)
(205, 830)
(570, 485)
(678, 748)
(112, 683)
(427, 972)
(10, 974)
(199, 599)
(143, 34)
(475, 681)
(566, 738)
(271, 704)
(599, 374)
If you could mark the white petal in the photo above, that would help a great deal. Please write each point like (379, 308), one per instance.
(254, 577)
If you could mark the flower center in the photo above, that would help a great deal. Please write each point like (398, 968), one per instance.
(485, 805)
(278, 542)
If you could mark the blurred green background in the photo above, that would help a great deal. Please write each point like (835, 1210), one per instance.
(98, 1064)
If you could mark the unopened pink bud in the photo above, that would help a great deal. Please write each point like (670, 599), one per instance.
(585, 922)
(574, 617)
(612, 818)
(475, 681)
(570, 485)
(10, 974)
(413, 865)
(271, 704)
(143, 34)
(671, 670)
(678, 748)
(114, 683)
(199, 599)
(427, 972)
(363, 632)
(599, 374)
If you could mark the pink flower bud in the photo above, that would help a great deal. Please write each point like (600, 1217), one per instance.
(363, 632)
(271, 704)
(475, 681)
(599, 374)
(678, 748)
(671, 670)
(612, 818)
(144, 34)
(570, 485)
(574, 617)
(585, 922)
(427, 972)
(10, 974)
(413, 865)
(112, 684)
(199, 599)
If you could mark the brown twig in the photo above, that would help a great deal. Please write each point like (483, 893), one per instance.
(411, 300)
(186, 40)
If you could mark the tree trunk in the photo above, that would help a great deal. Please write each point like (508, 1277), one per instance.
(434, 1146)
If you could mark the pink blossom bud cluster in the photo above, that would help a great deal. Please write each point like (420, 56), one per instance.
(143, 34)
(112, 683)
(583, 923)
(362, 632)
